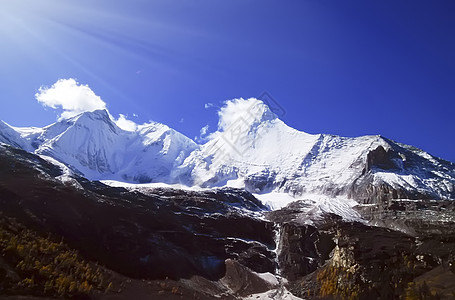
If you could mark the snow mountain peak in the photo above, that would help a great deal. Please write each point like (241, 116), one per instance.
(252, 149)
(99, 114)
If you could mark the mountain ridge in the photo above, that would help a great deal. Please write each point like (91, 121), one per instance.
(252, 149)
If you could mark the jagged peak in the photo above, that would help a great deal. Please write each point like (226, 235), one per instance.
(152, 127)
(100, 114)
(89, 118)
(154, 131)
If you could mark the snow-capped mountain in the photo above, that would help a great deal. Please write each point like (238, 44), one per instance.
(12, 136)
(252, 149)
(258, 151)
(94, 145)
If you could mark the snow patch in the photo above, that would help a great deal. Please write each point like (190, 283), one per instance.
(281, 293)
(275, 200)
(156, 185)
(316, 205)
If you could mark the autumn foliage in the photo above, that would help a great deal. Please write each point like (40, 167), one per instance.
(37, 265)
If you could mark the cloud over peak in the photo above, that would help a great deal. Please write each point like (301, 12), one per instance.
(126, 124)
(70, 96)
(238, 112)
(74, 98)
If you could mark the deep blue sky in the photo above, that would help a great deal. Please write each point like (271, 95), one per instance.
(341, 67)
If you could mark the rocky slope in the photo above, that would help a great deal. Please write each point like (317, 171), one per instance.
(334, 259)
(224, 243)
(163, 234)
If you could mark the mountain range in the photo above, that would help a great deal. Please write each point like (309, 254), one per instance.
(252, 149)
(89, 210)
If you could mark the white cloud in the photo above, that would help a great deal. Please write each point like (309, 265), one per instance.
(208, 105)
(125, 124)
(202, 138)
(70, 96)
(242, 113)
(204, 130)
(75, 98)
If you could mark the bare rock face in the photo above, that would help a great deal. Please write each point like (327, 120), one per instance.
(298, 253)
(366, 191)
(415, 253)
(243, 281)
(380, 158)
(301, 248)
(423, 173)
(413, 243)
